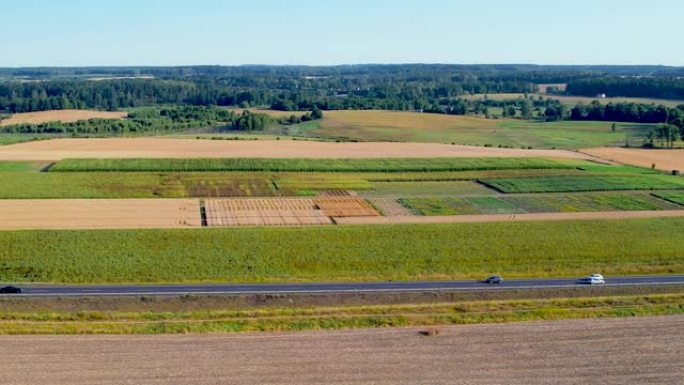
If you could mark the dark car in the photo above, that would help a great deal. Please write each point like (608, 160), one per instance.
(10, 290)
(494, 279)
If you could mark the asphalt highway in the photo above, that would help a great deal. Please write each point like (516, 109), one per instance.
(318, 288)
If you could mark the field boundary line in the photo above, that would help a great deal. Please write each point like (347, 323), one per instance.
(599, 215)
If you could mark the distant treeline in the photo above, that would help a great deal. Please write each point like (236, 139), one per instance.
(649, 87)
(152, 120)
(290, 88)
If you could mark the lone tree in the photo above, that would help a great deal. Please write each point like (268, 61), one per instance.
(316, 113)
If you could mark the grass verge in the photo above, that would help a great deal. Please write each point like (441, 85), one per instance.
(294, 319)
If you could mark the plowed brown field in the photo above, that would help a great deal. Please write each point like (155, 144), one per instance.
(65, 116)
(647, 350)
(52, 150)
(99, 214)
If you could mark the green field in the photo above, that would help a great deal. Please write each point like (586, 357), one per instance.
(354, 253)
(16, 138)
(585, 183)
(672, 196)
(21, 166)
(547, 203)
(374, 125)
(426, 189)
(310, 165)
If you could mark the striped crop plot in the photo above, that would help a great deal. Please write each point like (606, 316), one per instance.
(283, 211)
(345, 207)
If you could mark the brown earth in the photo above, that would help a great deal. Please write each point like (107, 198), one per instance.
(283, 211)
(666, 160)
(65, 116)
(508, 217)
(606, 351)
(86, 214)
(53, 150)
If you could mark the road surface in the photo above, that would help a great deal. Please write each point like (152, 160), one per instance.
(317, 288)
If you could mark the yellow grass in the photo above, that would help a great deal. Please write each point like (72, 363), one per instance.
(98, 214)
(65, 116)
(665, 160)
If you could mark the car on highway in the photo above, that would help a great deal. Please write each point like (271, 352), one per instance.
(10, 290)
(594, 279)
(494, 279)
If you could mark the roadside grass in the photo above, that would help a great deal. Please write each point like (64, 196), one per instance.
(585, 183)
(580, 202)
(325, 318)
(344, 253)
(310, 165)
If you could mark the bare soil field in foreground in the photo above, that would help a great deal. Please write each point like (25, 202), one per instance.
(53, 150)
(666, 160)
(65, 116)
(98, 213)
(606, 351)
(508, 217)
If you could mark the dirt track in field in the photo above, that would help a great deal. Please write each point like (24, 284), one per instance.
(53, 150)
(600, 351)
(98, 213)
(65, 116)
(508, 217)
(666, 160)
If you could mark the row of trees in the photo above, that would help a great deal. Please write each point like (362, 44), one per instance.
(649, 87)
(153, 120)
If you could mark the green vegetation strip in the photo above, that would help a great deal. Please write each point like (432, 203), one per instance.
(308, 165)
(672, 196)
(583, 202)
(353, 253)
(585, 183)
(291, 319)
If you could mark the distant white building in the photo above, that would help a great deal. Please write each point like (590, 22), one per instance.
(601, 96)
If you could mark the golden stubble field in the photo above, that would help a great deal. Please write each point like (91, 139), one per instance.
(606, 351)
(86, 214)
(65, 116)
(665, 160)
(57, 149)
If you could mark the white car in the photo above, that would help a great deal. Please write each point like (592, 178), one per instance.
(594, 279)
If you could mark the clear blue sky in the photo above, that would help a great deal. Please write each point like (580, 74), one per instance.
(174, 32)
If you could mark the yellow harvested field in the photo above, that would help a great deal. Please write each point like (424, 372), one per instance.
(54, 150)
(283, 211)
(666, 160)
(98, 214)
(65, 116)
(508, 217)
